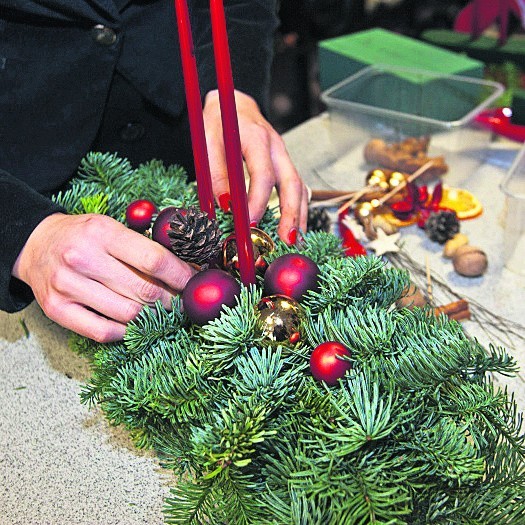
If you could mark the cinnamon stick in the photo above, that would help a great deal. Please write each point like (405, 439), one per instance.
(457, 310)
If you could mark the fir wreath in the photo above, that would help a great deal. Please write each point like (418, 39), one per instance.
(415, 433)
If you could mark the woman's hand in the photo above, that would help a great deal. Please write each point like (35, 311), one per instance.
(92, 275)
(267, 161)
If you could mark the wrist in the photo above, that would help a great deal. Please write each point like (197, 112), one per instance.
(22, 262)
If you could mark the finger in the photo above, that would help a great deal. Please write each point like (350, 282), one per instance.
(124, 281)
(81, 320)
(262, 177)
(97, 297)
(292, 197)
(219, 170)
(150, 258)
(303, 221)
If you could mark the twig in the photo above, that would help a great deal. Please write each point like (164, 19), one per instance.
(429, 281)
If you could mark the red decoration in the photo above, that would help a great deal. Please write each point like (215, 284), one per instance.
(292, 274)
(326, 363)
(232, 143)
(499, 120)
(159, 232)
(418, 203)
(193, 101)
(352, 247)
(205, 294)
(139, 214)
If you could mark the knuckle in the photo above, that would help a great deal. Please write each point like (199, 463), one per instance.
(101, 333)
(59, 282)
(93, 223)
(261, 133)
(149, 292)
(73, 257)
(51, 306)
(154, 260)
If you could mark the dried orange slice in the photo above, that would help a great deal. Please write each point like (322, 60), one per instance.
(461, 201)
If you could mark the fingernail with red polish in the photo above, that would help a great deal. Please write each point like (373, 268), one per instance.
(253, 224)
(292, 236)
(224, 202)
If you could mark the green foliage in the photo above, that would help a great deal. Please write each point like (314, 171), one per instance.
(416, 432)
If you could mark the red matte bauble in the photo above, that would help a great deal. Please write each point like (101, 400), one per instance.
(159, 232)
(206, 292)
(139, 214)
(325, 364)
(292, 274)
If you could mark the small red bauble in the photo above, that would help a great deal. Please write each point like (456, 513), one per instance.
(325, 364)
(139, 214)
(159, 232)
(206, 292)
(292, 274)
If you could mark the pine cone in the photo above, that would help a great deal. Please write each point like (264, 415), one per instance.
(319, 220)
(194, 237)
(442, 226)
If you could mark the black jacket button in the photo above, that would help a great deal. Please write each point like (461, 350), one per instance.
(103, 35)
(132, 131)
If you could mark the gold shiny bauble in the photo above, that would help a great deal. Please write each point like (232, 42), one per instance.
(280, 318)
(385, 179)
(376, 178)
(364, 210)
(396, 178)
(262, 245)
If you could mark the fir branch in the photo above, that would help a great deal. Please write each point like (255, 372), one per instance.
(360, 281)
(192, 502)
(107, 170)
(431, 351)
(231, 439)
(163, 185)
(415, 433)
(107, 360)
(443, 451)
(263, 376)
(161, 385)
(368, 490)
(366, 333)
(319, 246)
(82, 345)
(233, 332)
(493, 359)
(95, 204)
(154, 325)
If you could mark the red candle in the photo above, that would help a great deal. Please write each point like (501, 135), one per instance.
(193, 101)
(232, 143)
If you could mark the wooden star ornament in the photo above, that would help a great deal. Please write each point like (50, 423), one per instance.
(384, 243)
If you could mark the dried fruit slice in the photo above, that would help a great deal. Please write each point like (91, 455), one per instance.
(462, 202)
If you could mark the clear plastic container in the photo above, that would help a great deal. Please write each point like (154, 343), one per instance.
(513, 186)
(394, 103)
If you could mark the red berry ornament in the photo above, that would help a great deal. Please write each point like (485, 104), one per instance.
(326, 363)
(292, 274)
(159, 232)
(139, 214)
(206, 292)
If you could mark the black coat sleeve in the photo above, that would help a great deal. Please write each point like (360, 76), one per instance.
(21, 210)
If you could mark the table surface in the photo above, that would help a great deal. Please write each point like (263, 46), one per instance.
(61, 463)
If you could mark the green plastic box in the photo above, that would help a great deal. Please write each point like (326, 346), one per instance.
(343, 56)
